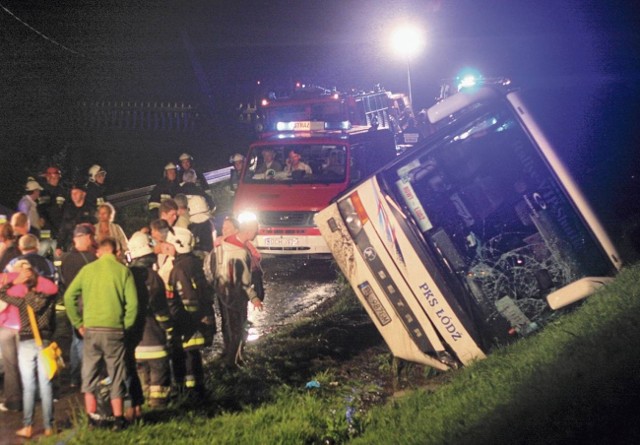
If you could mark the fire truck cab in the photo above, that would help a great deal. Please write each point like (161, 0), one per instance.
(289, 176)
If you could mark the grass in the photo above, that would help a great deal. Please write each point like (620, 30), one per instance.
(577, 381)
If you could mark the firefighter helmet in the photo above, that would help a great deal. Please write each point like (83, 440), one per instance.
(236, 158)
(198, 209)
(182, 239)
(140, 245)
(95, 170)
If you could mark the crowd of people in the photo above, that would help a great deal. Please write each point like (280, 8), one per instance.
(141, 308)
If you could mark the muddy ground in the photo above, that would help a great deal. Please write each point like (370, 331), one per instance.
(342, 344)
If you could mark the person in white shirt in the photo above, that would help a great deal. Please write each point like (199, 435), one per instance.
(28, 204)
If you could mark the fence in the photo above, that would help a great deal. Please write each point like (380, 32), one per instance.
(138, 115)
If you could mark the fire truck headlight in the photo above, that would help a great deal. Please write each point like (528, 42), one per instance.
(247, 216)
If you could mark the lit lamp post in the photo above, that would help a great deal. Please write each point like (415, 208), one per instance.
(407, 41)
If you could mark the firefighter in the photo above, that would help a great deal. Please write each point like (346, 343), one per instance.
(234, 287)
(190, 302)
(165, 189)
(152, 335)
(186, 164)
(96, 190)
(236, 161)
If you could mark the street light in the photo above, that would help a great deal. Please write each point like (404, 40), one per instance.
(407, 41)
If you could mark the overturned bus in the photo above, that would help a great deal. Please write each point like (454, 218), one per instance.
(471, 239)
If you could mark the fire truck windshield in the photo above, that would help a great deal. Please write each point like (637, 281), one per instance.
(307, 163)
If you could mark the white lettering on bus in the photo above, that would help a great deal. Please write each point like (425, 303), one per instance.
(444, 319)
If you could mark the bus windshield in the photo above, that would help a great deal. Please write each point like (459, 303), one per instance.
(306, 163)
(483, 202)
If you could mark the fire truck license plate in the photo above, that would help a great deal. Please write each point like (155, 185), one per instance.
(279, 241)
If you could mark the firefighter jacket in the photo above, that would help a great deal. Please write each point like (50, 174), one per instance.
(201, 181)
(203, 233)
(191, 189)
(96, 193)
(154, 321)
(190, 302)
(50, 206)
(163, 190)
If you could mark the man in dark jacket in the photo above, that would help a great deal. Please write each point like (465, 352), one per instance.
(82, 253)
(79, 210)
(154, 324)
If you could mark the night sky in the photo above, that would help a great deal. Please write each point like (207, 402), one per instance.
(140, 46)
(579, 60)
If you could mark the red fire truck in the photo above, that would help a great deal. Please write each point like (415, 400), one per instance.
(338, 137)
(285, 197)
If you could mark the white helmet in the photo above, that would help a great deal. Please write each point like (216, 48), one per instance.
(169, 166)
(182, 239)
(236, 158)
(198, 209)
(94, 171)
(140, 245)
(185, 156)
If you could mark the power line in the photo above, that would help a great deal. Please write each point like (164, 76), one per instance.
(66, 48)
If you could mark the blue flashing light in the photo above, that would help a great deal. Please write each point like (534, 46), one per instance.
(469, 79)
(467, 82)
